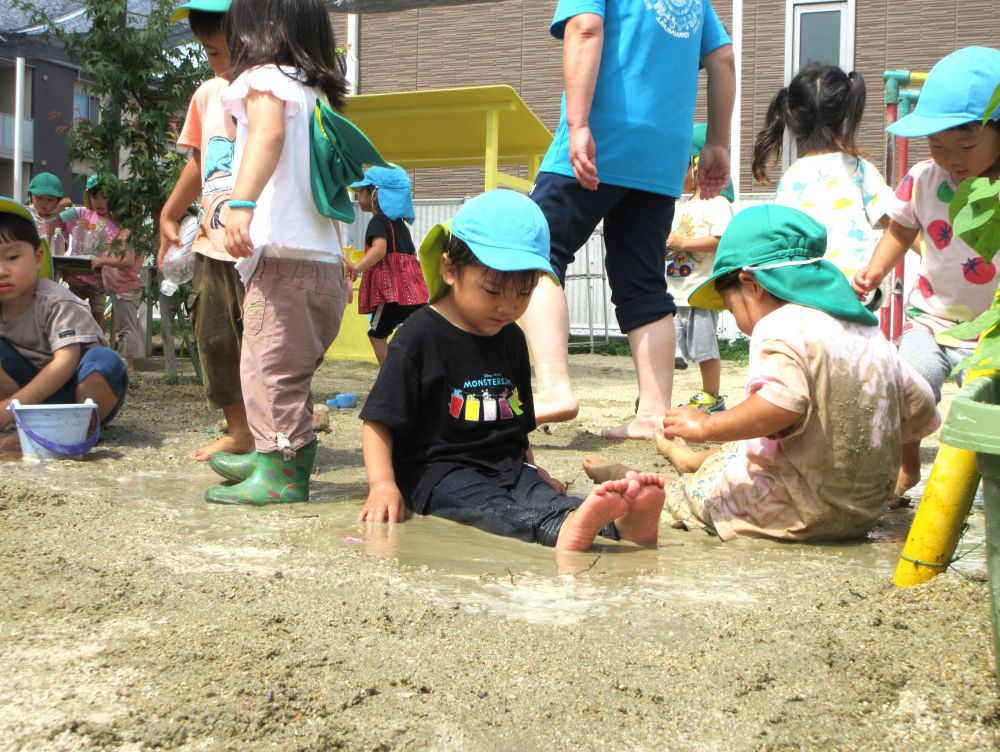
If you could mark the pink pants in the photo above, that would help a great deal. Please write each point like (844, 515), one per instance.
(291, 315)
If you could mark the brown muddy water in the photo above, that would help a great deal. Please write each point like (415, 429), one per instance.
(135, 616)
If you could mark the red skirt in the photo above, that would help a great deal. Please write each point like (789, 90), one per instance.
(397, 278)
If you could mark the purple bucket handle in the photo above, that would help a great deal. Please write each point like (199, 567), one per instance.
(67, 450)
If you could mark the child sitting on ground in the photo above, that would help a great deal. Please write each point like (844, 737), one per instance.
(392, 285)
(692, 243)
(446, 424)
(817, 443)
(954, 284)
(51, 349)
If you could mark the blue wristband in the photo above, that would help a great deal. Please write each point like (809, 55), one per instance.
(236, 204)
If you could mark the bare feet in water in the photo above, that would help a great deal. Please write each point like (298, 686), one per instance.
(232, 443)
(632, 503)
(641, 428)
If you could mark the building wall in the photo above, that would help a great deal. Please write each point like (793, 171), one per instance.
(52, 96)
(508, 42)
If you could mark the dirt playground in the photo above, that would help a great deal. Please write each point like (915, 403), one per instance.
(133, 616)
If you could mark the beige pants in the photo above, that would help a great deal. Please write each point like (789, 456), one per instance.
(125, 322)
(291, 315)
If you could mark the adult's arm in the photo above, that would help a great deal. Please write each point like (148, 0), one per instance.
(583, 43)
(713, 166)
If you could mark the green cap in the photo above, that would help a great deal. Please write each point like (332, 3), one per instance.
(783, 248)
(206, 6)
(698, 136)
(46, 184)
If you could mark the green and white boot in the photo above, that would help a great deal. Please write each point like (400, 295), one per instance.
(274, 480)
(233, 466)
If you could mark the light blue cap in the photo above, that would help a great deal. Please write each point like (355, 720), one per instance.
(394, 198)
(956, 92)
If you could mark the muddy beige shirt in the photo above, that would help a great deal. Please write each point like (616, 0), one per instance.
(56, 318)
(832, 474)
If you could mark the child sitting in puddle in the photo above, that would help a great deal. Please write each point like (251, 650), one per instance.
(815, 448)
(51, 349)
(446, 424)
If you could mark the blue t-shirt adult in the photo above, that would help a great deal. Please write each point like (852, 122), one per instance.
(643, 106)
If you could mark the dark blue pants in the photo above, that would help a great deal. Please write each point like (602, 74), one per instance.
(100, 360)
(636, 225)
(531, 510)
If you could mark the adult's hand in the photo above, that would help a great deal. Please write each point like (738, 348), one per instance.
(713, 170)
(583, 157)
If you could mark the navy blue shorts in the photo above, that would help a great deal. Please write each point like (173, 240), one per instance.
(100, 360)
(531, 510)
(636, 225)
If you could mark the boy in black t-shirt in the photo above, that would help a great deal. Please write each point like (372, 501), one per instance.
(446, 425)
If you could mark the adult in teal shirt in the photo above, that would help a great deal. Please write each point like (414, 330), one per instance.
(630, 69)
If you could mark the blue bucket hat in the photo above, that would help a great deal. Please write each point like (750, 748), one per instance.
(504, 229)
(956, 92)
(783, 248)
(393, 184)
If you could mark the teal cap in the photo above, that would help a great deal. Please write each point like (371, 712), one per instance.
(205, 6)
(783, 248)
(46, 184)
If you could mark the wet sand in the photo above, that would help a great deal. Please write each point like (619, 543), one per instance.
(135, 616)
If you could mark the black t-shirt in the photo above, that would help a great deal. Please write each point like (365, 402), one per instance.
(396, 233)
(453, 400)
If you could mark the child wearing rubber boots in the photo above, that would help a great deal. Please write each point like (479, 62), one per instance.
(691, 245)
(446, 424)
(814, 450)
(51, 349)
(954, 284)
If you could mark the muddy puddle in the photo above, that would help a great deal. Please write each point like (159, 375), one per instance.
(450, 563)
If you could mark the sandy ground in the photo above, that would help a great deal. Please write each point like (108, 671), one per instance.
(134, 616)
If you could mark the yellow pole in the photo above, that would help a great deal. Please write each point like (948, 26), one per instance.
(492, 148)
(944, 506)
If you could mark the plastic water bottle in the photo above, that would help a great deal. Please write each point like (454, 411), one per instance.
(58, 243)
(178, 264)
(78, 238)
(100, 239)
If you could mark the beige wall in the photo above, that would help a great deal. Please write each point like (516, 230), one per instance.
(508, 42)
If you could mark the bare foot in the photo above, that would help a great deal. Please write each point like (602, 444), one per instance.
(232, 443)
(641, 427)
(605, 504)
(906, 480)
(600, 469)
(641, 524)
(677, 453)
(555, 405)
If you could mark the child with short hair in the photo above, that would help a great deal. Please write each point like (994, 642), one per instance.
(698, 225)
(45, 191)
(51, 349)
(392, 285)
(830, 180)
(446, 424)
(216, 301)
(814, 450)
(283, 59)
(954, 284)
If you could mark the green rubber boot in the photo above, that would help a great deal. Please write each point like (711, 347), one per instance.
(274, 480)
(233, 466)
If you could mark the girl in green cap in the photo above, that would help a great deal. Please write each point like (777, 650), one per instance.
(814, 450)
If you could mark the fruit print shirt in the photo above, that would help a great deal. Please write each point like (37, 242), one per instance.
(845, 194)
(954, 284)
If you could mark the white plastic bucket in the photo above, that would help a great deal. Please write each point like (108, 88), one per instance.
(52, 432)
